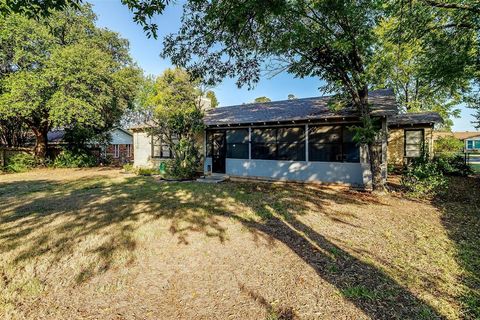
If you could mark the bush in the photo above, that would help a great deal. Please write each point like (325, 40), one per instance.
(448, 145)
(72, 159)
(21, 162)
(423, 178)
(453, 165)
(147, 171)
(128, 167)
(178, 169)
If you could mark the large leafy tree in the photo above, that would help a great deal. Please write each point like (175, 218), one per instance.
(427, 51)
(62, 71)
(331, 40)
(178, 118)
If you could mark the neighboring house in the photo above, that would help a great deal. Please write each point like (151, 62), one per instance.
(471, 139)
(120, 149)
(118, 152)
(298, 140)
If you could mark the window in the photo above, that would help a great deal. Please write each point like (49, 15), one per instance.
(470, 144)
(160, 148)
(332, 144)
(116, 150)
(209, 144)
(129, 150)
(477, 144)
(237, 144)
(413, 143)
(279, 143)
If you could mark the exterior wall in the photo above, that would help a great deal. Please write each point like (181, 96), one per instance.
(396, 144)
(353, 174)
(124, 156)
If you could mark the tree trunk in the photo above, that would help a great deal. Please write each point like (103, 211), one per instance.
(41, 143)
(374, 148)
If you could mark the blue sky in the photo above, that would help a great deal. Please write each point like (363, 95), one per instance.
(114, 16)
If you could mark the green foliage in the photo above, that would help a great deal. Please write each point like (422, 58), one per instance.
(213, 98)
(128, 167)
(262, 99)
(453, 165)
(21, 162)
(178, 119)
(74, 159)
(423, 178)
(291, 96)
(147, 172)
(448, 145)
(62, 71)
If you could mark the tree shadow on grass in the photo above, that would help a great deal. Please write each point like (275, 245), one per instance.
(74, 211)
(460, 208)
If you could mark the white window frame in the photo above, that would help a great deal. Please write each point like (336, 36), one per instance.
(116, 151)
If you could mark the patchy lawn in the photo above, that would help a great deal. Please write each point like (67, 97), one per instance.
(101, 244)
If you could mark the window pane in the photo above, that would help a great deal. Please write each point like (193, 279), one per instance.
(237, 150)
(290, 134)
(264, 135)
(477, 144)
(469, 144)
(237, 136)
(326, 134)
(264, 151)
(165, 151)
(291, 151)
(413, 143)
(328, 152)
(351, 152)
(209, 144)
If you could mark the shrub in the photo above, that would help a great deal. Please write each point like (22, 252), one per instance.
(74, 159)
(147, 171)
(453, 165)
(448, 145)
(21, 162)
(181, 169)
(128, 167)
(423, 178)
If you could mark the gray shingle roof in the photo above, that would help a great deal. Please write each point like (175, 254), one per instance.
(414, 118)
(383, 104)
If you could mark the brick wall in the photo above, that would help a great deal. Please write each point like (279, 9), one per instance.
(123, 156)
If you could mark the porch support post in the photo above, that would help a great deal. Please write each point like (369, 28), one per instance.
(306, 142)
(249, 143)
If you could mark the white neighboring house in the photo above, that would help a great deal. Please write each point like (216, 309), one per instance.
(150, 151)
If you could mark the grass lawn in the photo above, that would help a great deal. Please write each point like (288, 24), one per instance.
(104, 245)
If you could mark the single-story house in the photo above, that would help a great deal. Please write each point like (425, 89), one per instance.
(471, 139)
(301, 140)
(119, 151)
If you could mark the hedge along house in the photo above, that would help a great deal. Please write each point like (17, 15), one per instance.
(294, 140)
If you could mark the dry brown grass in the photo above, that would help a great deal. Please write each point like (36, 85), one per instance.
(100, 244)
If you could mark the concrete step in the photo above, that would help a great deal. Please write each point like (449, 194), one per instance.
(212, 179)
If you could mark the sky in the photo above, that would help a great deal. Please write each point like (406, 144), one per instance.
(146, 52)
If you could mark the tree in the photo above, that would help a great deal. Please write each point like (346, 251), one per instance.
(73, 75)
(331, 40)
(262, 99)
(414, 56)
(291, 96)
(213, 98)
(13, 133)
(143, 11)
(178, 119)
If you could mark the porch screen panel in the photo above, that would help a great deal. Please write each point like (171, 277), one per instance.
(291, 144)
(209, 143)
(264, 144)
(325, 144)
(351, 150)
(413, 143)
(237, 144)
